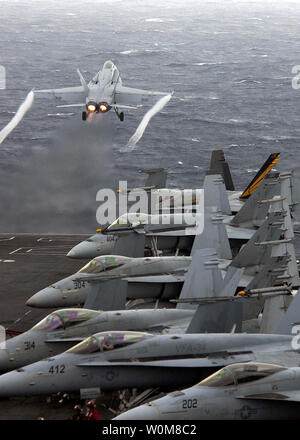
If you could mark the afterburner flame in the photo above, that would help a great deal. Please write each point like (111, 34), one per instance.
(103, 108)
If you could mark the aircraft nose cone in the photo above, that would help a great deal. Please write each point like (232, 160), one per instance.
(83, 250)
(143, 412)
(48, 297)
(72, 253)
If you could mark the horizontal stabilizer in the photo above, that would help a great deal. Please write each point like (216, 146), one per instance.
(122, 106)
(70, 105)
(107, 295)
(130, 245)
(217, 317)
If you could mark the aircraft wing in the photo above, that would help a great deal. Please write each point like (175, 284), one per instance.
(232, 232)
(65, 92)
(128, 95)
(203, 362)
(239, 233)
(157, 279)
(288, 396)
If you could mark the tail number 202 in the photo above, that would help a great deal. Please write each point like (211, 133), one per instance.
(190, 403)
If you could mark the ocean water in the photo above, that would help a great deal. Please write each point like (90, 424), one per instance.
(228, 62)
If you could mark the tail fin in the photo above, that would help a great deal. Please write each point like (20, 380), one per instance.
(107, 295)
(215, 194)
(257, 250)
(214, 236)
(290, 189)
(130, 244)
(274, 313)
(203, 278)
(265, 169)
(255, 209)
(157, 177)
(291, 317)
(82, 80)
(218, 165)
(271, 274)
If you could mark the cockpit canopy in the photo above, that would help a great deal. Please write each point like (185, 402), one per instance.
(104, 263)
(108, 341)
(237, 374)
(108, 64)
(65, 318)
(129, 220)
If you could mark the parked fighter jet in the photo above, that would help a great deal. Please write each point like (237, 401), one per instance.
(167, 235)
(117, 360)
(244, 391)
(62, 329)
(71, 291)
(254, 257)
(103, 92)
(121, 359)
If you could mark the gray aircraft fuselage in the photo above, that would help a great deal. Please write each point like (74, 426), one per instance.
(202, 402)
(152, 361)
(70, 291)
(54, 335)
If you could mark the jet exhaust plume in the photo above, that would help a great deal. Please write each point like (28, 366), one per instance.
(22, 110)
(144, 122)
(54, 190)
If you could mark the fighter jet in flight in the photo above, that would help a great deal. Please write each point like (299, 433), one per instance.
(104, 92)
(243, 391)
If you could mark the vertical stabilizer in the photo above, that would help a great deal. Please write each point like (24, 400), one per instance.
(218, 165)
(215, 194)
(214, 236)
(203, 278)
(255, 209)
(291, 317)
(265, 169)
